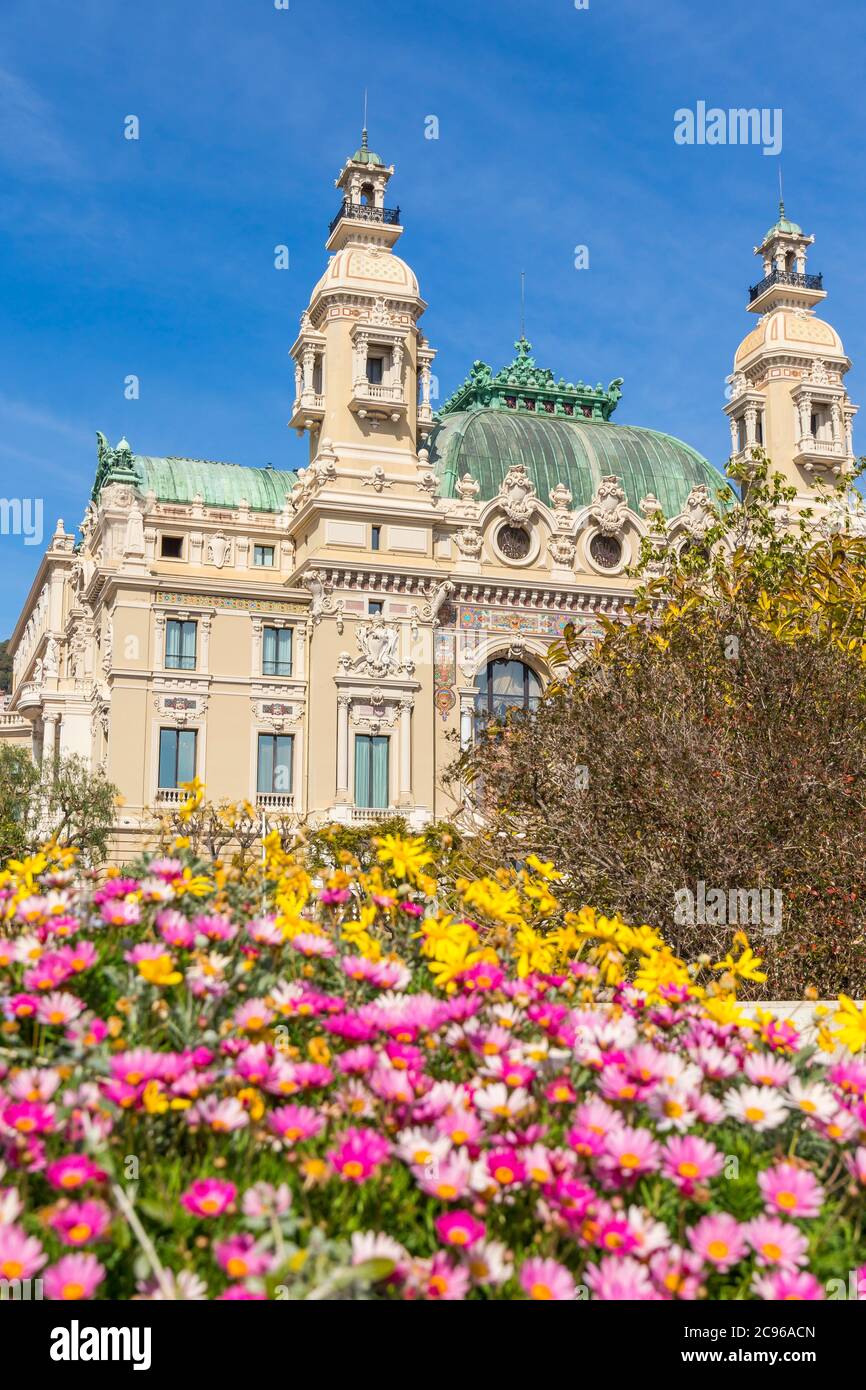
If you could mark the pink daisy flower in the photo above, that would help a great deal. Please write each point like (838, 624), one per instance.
(776, 1242)
(21, 1256)
(628, 1152)
(241, 1258)
(547, 1281)
(856, 1165)
(445, 1281)
(459, 1228)
(253, 1016)
(790, 1190)
(81, 1222)
(74, 1170)
(359, 1154)
(788, 1286)
(294, 1123)
(73, 1277)
(621, 1280)
(505, 1167)
(719, 1239)
(690, 1162)
(447, 1179)
(59, 1008)
(209, 1196)
(29, 1117)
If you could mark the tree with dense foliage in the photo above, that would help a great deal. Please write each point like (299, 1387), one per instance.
(712, 744)
(5, 667)
(62, 801)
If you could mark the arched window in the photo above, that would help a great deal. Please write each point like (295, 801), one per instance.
(506, 685)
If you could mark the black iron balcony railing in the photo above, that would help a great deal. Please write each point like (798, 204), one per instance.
(366, 212)
(786, 277)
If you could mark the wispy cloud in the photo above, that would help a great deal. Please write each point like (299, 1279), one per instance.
(36, 418)
(31, 134)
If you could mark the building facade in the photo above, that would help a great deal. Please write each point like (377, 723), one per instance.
(318, 641)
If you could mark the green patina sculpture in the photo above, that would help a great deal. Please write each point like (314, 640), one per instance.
(524, 386)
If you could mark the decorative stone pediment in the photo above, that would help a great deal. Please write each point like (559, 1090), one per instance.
(698, 514)
(562, 549)
(469, 542)
(323, 604)
(609, 507)
(378, 643)
(218, 549)
(278, 715)
(180, 704)
(517, 494)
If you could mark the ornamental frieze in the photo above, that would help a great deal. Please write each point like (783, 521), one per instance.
(244, 605)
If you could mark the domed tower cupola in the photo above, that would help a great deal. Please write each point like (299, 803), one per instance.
(786, 282)
(361, 361)
(364, 180)
(787, 390)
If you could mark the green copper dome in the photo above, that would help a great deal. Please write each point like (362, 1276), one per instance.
(574, 451)
(182, 480)
(365, 156)
(784, 225)
(561, 432)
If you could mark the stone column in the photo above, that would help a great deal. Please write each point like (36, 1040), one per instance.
(406, 749)
(467, 717)
(309, 359)
(735, 436)
(299, 651)
(159, 654)
(751, 418)
(204, 661)
(49, 737)
(834, 420)
(343, 703)
(257, 647)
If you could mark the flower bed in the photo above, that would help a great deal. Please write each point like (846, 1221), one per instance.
(216, 1085)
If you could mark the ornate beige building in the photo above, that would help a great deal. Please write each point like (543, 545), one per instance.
(309, 639)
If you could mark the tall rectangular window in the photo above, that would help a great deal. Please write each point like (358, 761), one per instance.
(275, 763)
(277, 651)
(376, 538)
(263, 555)
(371, 770)
(375, 367)
(176, 756)
(180, 645)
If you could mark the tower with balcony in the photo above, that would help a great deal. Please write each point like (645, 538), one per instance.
(787, 389)
(362, 366)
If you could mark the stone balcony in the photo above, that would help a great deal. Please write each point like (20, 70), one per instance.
(308, 411)
(171, 796)
(824, 454)
(378, 400)
(275, 801)
(359, 815)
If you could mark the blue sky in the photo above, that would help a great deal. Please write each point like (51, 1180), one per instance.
(156, 257)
